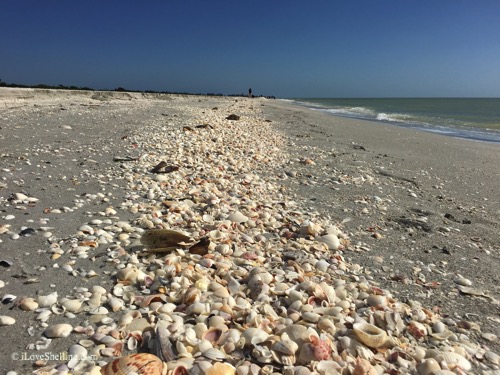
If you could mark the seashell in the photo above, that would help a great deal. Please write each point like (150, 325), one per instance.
(285, 346)
(213, 334)
(417, 330)
(217, 235)
(253, 336)
(139, 364)
(221, 369)
(237, 217)
(163, 240)
(492, 357)
(127, 274)
(58, 310)
(364, 367)
(99, 310)
(428, 366)
(58, 330)
(328, 368)
(163, 345)
(27, 304)
(309, 228)
(370, 335)
(214, 354)
(76, 354)
(331, 240)
(48, 300)
(375, 300)
(72, 305)
(322, 349)
(114, 303)
(6, 320)
(460, 280)
(8, 298)
(453, 360)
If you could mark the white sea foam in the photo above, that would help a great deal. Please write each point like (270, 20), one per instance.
(394, 117)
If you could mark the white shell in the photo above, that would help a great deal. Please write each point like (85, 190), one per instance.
(58, 330)
(454, 359)
(48, 300)
(331, 240)
(237, 217)
(6, 320)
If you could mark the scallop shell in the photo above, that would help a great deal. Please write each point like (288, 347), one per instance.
(370, 335)
(140, 364)
(221, 369)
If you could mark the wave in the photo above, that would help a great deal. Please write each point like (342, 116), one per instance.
(447, 124)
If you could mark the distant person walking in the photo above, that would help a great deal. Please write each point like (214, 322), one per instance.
(250, 92)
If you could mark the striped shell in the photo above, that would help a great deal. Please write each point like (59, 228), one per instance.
(140, 364)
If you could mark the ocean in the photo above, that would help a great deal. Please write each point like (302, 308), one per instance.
(470, 118)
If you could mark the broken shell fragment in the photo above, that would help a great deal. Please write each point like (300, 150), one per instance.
(370, 335)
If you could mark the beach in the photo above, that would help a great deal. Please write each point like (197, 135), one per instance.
(307, 223)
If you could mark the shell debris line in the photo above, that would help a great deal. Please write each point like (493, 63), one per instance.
(208, 267)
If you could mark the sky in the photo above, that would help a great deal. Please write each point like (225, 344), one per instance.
(289, 49)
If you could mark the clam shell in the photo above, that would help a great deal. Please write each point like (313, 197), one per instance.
(453, 359)
(163, 345)
(72, 305)
(6, 320)
(370, 335)
(140, 364)
(58, 330)
(331, 240)
(237, 217)
(28, 304)
(48, 300)
(163, 240)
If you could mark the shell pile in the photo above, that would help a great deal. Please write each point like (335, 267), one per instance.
(216, 271)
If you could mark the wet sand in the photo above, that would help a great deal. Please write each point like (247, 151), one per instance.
(419, 208)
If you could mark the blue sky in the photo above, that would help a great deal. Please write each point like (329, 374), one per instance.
(349, 48)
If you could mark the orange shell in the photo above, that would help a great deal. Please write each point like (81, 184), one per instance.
(140, 364)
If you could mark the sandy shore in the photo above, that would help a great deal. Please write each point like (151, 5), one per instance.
(420, 212)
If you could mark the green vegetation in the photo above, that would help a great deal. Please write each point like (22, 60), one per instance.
(118, 89)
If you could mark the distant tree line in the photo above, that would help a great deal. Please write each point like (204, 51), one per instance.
(118, 89)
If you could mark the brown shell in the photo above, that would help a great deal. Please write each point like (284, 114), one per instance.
(163, 240)
(140, 364)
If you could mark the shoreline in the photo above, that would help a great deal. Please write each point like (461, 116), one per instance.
(475, 133)
(357, 181)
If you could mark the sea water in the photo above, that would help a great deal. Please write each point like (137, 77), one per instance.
(471, 118)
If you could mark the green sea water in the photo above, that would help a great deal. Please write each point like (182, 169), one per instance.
(472, 118)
